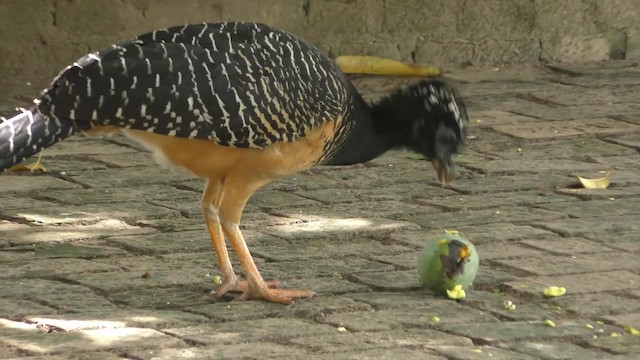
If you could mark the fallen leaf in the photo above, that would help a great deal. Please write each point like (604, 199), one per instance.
(549, 323)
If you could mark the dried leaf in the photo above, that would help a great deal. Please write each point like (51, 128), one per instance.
(599, 183)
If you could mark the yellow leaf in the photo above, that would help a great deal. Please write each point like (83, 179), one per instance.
(434, 319)
(34, 166)
(553, 291)
(217, 279)
(599, 183)
(550, 323)
(452, 232)
(456, 293)
(381, 66)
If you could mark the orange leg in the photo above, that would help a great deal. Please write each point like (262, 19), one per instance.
(231, 208)
(210, 203)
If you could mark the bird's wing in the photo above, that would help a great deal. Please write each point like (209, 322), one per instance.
(238, 84)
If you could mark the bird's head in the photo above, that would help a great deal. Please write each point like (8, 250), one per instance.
(455, 258)
(437, 118)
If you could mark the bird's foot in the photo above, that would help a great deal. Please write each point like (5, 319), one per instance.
(235, 285)
(281, 296)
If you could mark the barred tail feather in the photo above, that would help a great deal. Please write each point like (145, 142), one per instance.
(29, 132)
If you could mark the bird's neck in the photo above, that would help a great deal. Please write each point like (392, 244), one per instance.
(370, 131)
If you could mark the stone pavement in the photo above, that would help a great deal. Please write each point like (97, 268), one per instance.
(106, 256)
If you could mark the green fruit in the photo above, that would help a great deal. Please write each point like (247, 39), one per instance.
(447, 260)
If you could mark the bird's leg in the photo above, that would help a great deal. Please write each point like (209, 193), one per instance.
(231, 209)
(210, 203)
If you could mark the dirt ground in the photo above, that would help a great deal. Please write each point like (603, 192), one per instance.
(106, 255)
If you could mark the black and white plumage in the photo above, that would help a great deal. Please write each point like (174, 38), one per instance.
(239, 104)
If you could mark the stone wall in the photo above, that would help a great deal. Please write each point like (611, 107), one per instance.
(39, 37)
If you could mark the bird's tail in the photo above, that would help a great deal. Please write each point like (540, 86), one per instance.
(25, 134)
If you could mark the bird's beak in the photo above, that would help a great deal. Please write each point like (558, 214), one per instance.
(464, 253)
(445, 170)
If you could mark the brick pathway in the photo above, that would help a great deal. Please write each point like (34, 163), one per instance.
(106, 256)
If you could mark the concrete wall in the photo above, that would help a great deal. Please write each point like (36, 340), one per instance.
(39, 37)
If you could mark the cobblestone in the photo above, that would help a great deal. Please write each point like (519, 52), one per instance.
(106, 256)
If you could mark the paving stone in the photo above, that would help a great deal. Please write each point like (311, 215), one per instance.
(119, 194)
(58, 295)
(618, 345)
(625, 319)
(98, 355)
(559, 351)
(602, 194)
(333, 284)
(578, 283)
(91, 213)
(364, 210)
(493, 302)
(124, 177)
(324, 248)
(277, 199)
(20, 202)
(574, 264)
(157, 319)
(568, 246)
(322, 267)
(406, 318)
(537, 182)
(132, 159)
(478, 234)
(185, 241)
(401, 353)
(256, 350)
(271, 330)
(588, 227)
(582, 149)
(77, 250)
(630, 140)
(481, 201)
(96, 146)
(24, 183)
(337, 228)
(512, 167)
(161, 298)
(555, 129)
(479, 352)
(506, 250)
(390, 280)
(385, 300)
(594, 208)
(329, 196)
(623, 241)
(492, 333)
(600, 304)
(18, 308)
(346, 342)
(459, 218)
(54, 233)
(30, 339)
(50, 267)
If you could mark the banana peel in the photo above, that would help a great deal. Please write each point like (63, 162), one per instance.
(350, 64)
(599, 183)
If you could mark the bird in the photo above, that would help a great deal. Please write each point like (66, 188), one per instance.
(238, 104)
